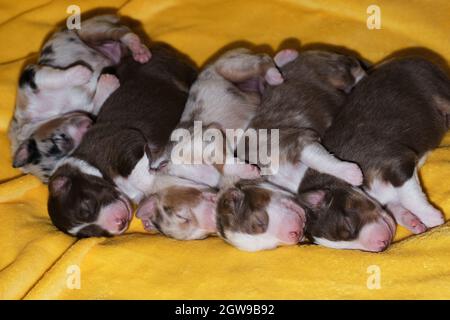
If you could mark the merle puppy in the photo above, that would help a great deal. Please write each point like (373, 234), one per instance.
(90, 190)
(69, 77)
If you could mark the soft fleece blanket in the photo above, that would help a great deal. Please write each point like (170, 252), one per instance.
(39, 262)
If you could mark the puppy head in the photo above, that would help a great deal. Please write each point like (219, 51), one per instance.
(346, 218)
(254, 218)
(51, 142)
(85, 205)
(183, 213)
(338, 71)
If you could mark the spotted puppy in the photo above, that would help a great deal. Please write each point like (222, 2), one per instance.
(67, 77)
(91, 190)
(402, 113)
(226, 95)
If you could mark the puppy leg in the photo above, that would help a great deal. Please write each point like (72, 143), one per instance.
(101, 30)
(51, 78)
(315, 156)
(413, 198)
(406, 218)
(241, 65)
(106, 85)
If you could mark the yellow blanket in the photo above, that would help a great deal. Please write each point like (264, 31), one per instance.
(39, 262)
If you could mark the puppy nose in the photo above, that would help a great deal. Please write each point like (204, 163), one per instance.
(379, 244)
(121, 223)
(294, 235)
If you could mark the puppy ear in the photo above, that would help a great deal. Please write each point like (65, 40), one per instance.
(26, 153)
(147, 207)
(59, 185)
(315, 199)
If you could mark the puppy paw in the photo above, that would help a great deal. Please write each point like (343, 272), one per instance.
(242, 170)
(433, 218)
(351, 173)
(108, 82)
(78, 75)
(139, 51)
(273, 77)
(285, 56)
(412, 222)
(249, 171)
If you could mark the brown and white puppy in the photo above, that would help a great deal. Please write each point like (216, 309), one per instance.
(315, 87)
(179, 208)
(302, 109)
(67, 78)
(401, 111)
(89, 191)
(226, 95)
(255, 215)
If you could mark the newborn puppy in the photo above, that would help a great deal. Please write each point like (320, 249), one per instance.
(254, 215)
(401, 110)
(226, 95)
(51, 142)
(302, 109)
(90, 191)
(179, 208)
(68, 78)
(342, 216)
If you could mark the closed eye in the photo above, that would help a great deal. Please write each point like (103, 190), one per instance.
(182, 218)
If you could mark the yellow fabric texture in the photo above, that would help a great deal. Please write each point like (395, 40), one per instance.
(36, 258)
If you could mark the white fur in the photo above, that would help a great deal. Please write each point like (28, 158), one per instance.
(289, 176)
(74, 231)
(339, 244)
(252, 243)
(82, 165)
(318, 158)
(139, 183)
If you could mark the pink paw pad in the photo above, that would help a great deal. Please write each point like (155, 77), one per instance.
(139, 51)
(285, 56)
(248, 171)
(412, 223)
(109, 81)
(273, 77)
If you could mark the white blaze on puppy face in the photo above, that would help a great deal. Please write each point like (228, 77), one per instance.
(183, 213)
(254, 220)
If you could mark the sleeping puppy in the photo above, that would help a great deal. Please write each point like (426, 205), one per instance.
(90, 191)
(179, 208)
(255, 215)
(402, 110)
(226, 95)
(67, 78)
(302, 108)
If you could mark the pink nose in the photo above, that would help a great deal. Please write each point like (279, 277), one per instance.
(294, 235)
(121, 223)
(377, 236)
(379, 245)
